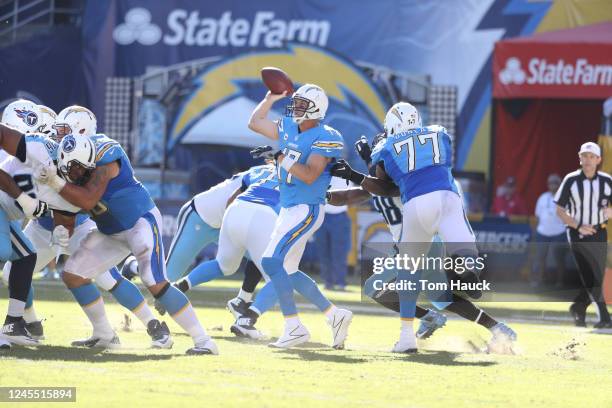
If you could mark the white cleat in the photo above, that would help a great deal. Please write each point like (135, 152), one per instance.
(292, 337)
(208, 347)
(406, 344)
(339, 323)
(101, 342)
(502, 341)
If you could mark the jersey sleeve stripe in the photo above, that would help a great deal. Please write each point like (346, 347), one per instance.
(328, 145)
(104, 149)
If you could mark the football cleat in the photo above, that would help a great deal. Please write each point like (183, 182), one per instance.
(36, 329)
(245, 327)
(98, 342)
(238, 307)
(203, 348)
(16, 333)
(431, 322)
(160, 334)
(4, 344)
(603, 325)
(339, 323)
(501, 331)
(292, 336)
(502, 340)
(406, 345)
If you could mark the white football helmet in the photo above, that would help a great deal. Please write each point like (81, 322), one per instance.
(76, 151)
(401, 118)
(76, 120)
(23, 115)
(308, 102)
(47, 120)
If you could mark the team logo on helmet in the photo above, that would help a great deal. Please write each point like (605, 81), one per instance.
(29, 118)
(68, 143)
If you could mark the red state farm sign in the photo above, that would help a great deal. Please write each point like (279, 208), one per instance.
(544, 70)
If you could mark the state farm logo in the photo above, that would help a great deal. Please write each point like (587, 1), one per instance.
(512, 73)
(137, 27)
(191, 28)
(542, 72)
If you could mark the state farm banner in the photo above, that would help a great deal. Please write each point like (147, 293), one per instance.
(544, 70)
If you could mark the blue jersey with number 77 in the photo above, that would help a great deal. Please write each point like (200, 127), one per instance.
(322, 140)
(418, 161)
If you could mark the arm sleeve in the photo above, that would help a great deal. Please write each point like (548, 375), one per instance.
(563, 193)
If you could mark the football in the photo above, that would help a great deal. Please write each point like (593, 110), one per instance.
(276, 80)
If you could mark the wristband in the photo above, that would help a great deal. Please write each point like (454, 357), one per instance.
(25, 201)
(287, 163)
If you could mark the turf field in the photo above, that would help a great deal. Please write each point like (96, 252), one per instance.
(555, 365)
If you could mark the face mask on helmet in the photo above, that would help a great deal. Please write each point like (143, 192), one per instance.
(308, 102)
(76, 120)
(76, 159)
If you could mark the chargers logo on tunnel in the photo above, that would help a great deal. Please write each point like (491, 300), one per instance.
(355, 105)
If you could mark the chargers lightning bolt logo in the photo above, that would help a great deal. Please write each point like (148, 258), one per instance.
(352, 95)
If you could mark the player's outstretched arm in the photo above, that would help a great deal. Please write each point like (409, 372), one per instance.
(308, 172)
(9, 140)
(350, 196)
(380, 185)
(88, 195)
(259, 121)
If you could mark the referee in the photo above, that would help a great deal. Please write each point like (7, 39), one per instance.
(582, 203)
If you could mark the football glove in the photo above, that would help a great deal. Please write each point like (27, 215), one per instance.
(60, 239)
(364, 150)
(47, 174)
(343, 170)
(265, 152)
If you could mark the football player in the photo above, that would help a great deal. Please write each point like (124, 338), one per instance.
(80, 120)
(418, 160)
(199, 221)
(96, 175)
(21, 197)
(307, 148)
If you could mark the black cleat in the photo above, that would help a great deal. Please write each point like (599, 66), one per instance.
(160, 334)
(245, 327)
(238, 307)
(603, 325)
(36, 329)
(579, 316)
(15, 332)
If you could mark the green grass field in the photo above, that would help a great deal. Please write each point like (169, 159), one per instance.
(448, 371)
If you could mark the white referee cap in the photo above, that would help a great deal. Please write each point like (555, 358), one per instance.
(590, 147)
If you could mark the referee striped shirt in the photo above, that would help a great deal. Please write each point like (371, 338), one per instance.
(586, 199)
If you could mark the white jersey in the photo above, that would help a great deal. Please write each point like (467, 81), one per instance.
(210, 204)
(39, 151)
